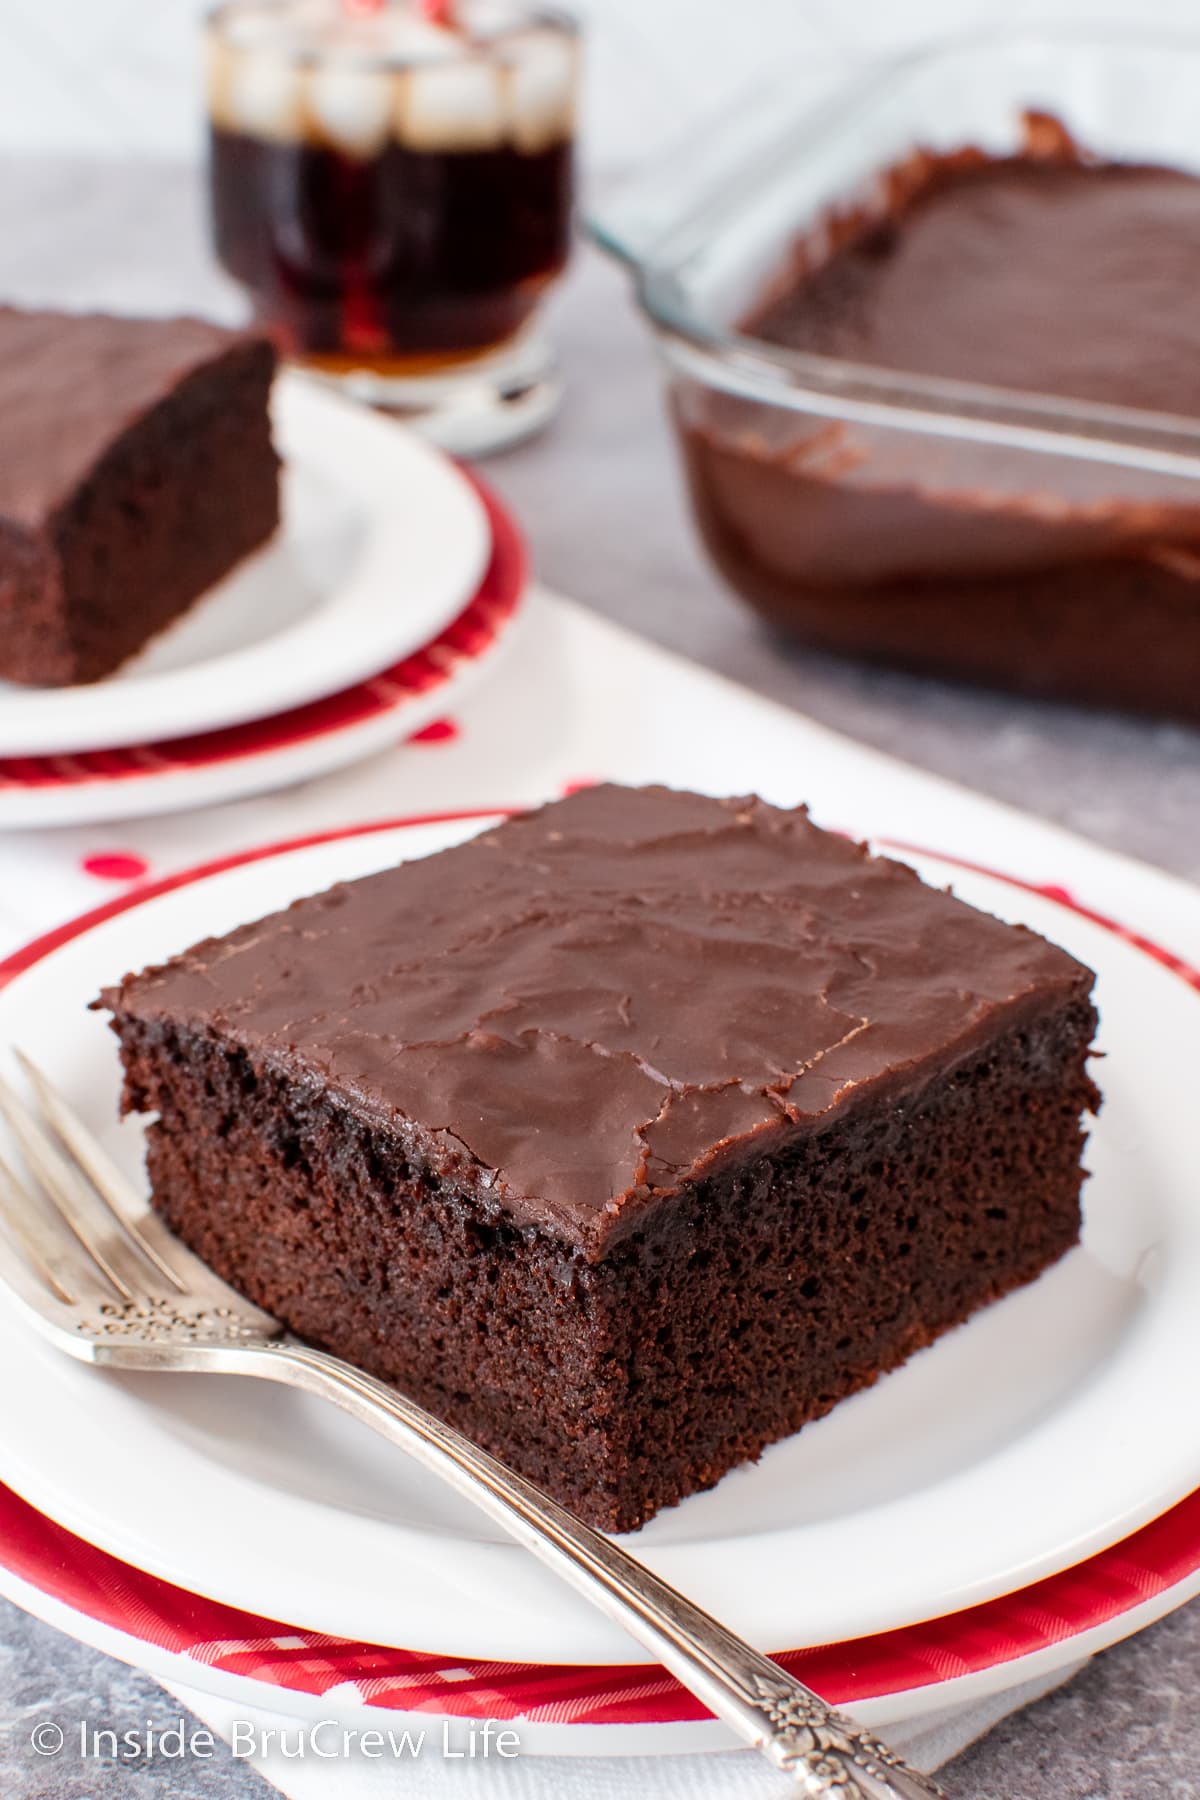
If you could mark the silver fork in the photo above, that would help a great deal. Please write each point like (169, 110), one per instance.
(103, 1278)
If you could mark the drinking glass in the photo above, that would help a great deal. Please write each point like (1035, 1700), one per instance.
(393, 187)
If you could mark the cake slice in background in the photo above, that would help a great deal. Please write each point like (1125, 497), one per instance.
(629, 1136)
(136, 469)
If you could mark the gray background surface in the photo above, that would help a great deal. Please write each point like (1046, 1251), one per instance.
(600, 498)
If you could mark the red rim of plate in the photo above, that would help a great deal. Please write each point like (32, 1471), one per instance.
(1140, 1568)
(468, 636)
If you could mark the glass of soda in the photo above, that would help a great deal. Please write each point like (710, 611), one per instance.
(392, 183)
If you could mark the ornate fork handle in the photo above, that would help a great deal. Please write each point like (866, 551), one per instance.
(825, 1753)
(100, 1286)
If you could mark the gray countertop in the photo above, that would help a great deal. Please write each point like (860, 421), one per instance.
(600, 496)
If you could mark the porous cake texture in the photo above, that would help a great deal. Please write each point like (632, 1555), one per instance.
(136, 469)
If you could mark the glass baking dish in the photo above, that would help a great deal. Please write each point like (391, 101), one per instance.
(1002, 536)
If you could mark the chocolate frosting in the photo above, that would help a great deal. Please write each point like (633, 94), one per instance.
(1063, 278)
(593, 1004)
(1047, 272)
(71, 383)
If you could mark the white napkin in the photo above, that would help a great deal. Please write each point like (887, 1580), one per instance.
(927, 1742)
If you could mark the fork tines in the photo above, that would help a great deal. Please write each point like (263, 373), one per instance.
(82, 1191)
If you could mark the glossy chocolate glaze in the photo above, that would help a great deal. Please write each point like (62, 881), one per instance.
(71, 383)
(1063, 278)
(591, 1005)
(1046, 272)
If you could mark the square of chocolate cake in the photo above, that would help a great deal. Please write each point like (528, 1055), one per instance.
(136, 469)
(629, 1136)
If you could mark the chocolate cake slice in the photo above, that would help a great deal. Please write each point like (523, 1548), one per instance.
(629, 1136)
(136, 469)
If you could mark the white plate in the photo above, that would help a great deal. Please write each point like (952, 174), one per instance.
(163, 788)
(290, 747)
(1050, 1426)
(383, 540)
(896, 1716)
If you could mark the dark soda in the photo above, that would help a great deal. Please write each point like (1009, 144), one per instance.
(409, 256)
(396, 219)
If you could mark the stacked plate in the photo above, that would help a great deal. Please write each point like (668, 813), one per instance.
(392, 584)
(1019, 1495)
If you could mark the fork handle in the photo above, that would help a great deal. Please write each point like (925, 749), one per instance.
(826, 1754)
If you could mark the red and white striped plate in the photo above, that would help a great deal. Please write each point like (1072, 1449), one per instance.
(188, 1641)
(886, 1676)
(287, 747)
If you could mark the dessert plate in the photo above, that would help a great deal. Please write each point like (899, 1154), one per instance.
(383, 541)
(1036, 1436)
(1031, 1637)
(287, 747)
